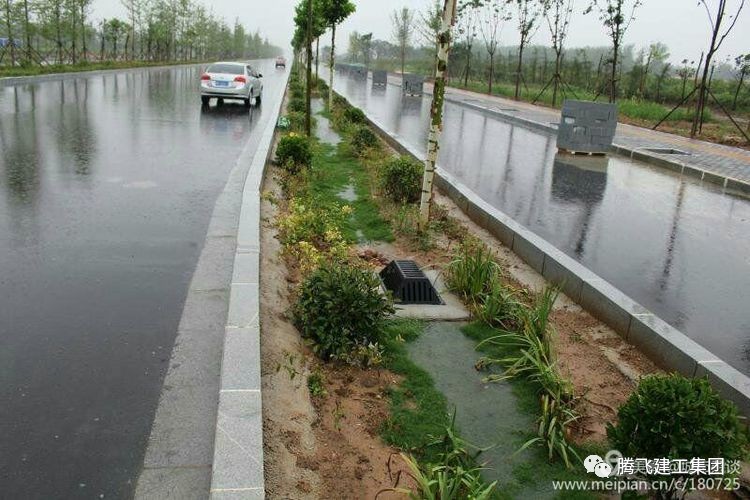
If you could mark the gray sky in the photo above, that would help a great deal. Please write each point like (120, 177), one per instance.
(681, 24)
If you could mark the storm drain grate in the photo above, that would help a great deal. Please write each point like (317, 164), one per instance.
(408, 283)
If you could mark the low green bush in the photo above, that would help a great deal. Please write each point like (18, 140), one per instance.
(671, 416)
(354, 115)
(401, 179)
(297, 104)
(294, 153)
(363, 139)
(296, 120)
(339, 308)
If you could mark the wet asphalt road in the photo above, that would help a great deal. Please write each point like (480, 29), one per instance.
(678, 247)
(107, 185)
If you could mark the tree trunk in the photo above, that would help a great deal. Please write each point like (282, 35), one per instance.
(737, 90)
(519, 68)
(332, 68)
(492, 72)
(9, 29)
(436, 112)
(27, 30)
(317, 56)
(83, 32)
(557, 78)
(308, 83)
(58, 34)
(613, 83)
(403, 59)
(468, 67)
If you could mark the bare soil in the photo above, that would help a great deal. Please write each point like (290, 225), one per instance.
(323, 447)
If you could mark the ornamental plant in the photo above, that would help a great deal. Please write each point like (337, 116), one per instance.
(670, 416)
(294, 153)
(401, 179)
(340, 308)
(363, 139)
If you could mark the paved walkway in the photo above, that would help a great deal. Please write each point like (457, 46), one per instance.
(724, 161)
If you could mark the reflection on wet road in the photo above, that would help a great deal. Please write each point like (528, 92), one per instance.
(678, 247)
(107, 184)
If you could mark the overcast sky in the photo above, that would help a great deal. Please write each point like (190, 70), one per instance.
(681, 24)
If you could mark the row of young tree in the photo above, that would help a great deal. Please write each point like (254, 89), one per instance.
(64, 32)
(617, 71)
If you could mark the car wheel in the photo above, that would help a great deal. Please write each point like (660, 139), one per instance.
(219, 101)
(247, 102)
(258, 99)
(205, 100)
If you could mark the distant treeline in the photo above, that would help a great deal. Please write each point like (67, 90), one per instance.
(47, 32)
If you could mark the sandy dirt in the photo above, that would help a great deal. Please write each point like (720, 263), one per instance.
(323, 447)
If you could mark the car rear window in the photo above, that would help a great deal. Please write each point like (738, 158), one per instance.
(232, 69)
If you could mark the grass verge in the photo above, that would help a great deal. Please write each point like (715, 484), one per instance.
(85, 66)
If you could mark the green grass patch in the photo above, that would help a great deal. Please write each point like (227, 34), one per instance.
(419, 412)
(334, 171)
(6, 71)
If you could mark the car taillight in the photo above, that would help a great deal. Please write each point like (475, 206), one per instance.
(241, 79)
(204, 76)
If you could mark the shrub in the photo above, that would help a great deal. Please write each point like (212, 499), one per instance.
(339, 308)
(354, 115)
(294, 152)
(363, 139)
(297, 104)
(316, 384)
(674, 417)
(401, 179)
(296, 120)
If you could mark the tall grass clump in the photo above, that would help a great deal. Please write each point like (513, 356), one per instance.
(472, 271)
(453, 475)
(531, 356)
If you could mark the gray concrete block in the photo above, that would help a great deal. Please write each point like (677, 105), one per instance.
(501, 231)
(665, 345)
(524, 245)
(586, 126)
(738, 186)
(246, 268)
(475, 210)
(243, 305)
(559, 271)
(728, 382)
(174, 483)
(240, 365)
(603, 301)
(412, 84)
(238, 456)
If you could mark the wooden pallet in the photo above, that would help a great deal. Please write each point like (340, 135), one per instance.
(579, 153)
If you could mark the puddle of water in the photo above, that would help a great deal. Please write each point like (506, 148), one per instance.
(348, 193)
(487, 415)
(325, 133)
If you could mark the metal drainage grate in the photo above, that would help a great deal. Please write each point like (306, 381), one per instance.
(667, 151)
(408, 283)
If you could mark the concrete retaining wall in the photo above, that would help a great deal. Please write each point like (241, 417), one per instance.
(665, 345)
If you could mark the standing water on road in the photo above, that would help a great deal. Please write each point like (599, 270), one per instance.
(679, 247)
(107, 185)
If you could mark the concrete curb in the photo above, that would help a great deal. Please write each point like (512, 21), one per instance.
(728, 183)
(665, 345)
(237, 471)
(9, 81)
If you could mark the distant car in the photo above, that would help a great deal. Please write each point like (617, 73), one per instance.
(281, 61)
(231, 80)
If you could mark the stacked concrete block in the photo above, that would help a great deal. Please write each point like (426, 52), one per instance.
(359, 72)
(379, 77)
(412, 84)
(587, 127)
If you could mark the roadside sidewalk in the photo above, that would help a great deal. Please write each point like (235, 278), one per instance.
(724, 165)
